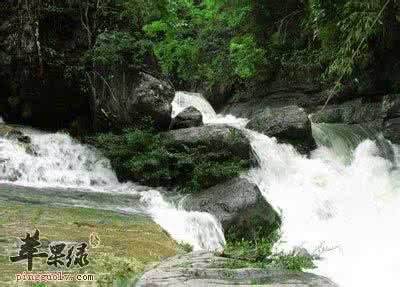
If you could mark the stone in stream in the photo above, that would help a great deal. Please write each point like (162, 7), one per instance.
(14, 134)
(214, 137)
(239, 205)
(189, 117)
(288, 124)
(206, 269)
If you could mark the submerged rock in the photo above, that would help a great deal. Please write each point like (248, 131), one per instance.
(14, 134)
(207, 269)
(288, 124)
(215, 137)
(239, 205)
(189, 117)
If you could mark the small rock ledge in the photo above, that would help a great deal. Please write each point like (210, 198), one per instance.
(199, 269)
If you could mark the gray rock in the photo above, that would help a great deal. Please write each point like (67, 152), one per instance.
(384, 114)
(14, 134)
(205, 269)
(239, 205)
(351, 112)
(391, 106)
(152, 97)
(392, 130)
(215, 137)
(189, 117)
(127, 99)
(288, 124)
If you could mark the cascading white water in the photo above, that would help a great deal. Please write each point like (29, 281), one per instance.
(342, 140)
(56, 160)
(184, 100)
(349, 207)
(346, 206)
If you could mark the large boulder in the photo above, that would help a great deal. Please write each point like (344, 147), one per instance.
(128, 98)
(288, 124)
(207, 269)
(189, 117)
(239, 205)
(215, 137)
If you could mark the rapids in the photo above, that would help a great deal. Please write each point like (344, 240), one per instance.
(55, 160)
(343, 202)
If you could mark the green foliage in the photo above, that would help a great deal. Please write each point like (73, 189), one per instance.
(121, 271)
(116, 47)
(145, 157)
(210, 172)
(245, 55)
(209, 44)
(296, 260)
(259, 253)
(344, 29)
(77, 75)
(184, 247)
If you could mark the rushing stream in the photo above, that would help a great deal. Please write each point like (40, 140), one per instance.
(56, 162)
(343, 200)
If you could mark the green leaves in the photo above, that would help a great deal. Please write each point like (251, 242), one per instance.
(115, 47)
(344, 28)
(207, 44)
(143, 156)
(245, 55)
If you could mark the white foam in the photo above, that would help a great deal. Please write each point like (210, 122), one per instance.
(343, 200)
(56, 160)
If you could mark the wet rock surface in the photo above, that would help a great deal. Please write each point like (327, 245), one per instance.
(238, 204)
(216, 137)
(14, 134)
(207, 269)
(189, 117)
(288, 124)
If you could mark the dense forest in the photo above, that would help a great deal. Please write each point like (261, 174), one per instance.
(225, 49)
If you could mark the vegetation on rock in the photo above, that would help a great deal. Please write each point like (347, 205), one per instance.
(259, 252)
(120, 259)
(145, 157)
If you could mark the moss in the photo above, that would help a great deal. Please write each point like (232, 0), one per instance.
(145, 157)
(127, 242)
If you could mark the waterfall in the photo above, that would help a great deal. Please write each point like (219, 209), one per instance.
(341, 140)
(348, 210)
(342, 202)
(55, 160)
(184, 100)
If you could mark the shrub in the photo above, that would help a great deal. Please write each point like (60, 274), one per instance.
(143, 156)
(259, 253)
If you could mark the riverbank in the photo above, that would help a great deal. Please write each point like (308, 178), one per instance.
(127, 242)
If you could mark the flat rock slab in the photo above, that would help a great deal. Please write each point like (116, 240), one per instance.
(205, 269)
